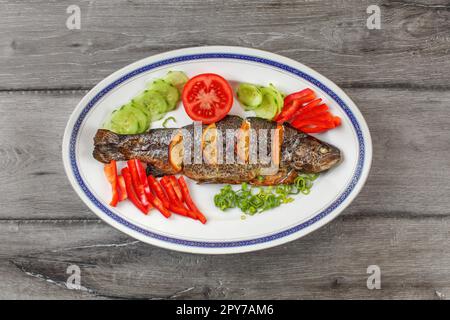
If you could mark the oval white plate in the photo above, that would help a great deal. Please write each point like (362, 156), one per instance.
(225, 232)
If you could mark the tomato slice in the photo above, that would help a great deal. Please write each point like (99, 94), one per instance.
(207, 98)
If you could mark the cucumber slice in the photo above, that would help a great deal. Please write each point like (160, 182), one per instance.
(249, 95)
(107, 123)
(123, 121)
(154, 104)
(269, 105)
(176, 78)
(151, 105)
(158, 116)
(279, 97)
(168, 91)
(138, 103)
(142, 119)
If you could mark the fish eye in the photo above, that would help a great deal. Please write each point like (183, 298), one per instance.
(323, 150)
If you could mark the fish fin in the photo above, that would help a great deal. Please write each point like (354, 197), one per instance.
(107, 145)
(107, 153)
(105, 137)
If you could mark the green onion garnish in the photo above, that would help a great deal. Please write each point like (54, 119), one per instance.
(167, 120)
(252, 200)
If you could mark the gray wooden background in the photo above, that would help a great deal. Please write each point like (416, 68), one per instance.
(398, 76)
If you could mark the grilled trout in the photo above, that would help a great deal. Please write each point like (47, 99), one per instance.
(293, 152)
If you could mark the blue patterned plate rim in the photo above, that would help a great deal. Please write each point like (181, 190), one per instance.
(217, 244)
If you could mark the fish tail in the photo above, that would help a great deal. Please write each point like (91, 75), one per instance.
(107, 146)
(106, 137)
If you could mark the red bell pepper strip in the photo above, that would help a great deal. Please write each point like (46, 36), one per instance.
(297, 95)
(316, 129)
(188, 199)
(167, 186)
(173, 198)
(178, 210)
(289, 109)
(320, 110)
(142, 177)
(156, 187)
(122, 188)
(131, 192)
(176, 187)
(175, 205)
(323, 122)
(337, 121)
(138, 187)
(170, 191)
(325, 117)
(182, 211)
(316, 124)
(306, 109)
(319, 114)
(157, 203)
(159, 191)
(111, 174)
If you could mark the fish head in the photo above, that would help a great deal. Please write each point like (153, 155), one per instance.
(313, 156)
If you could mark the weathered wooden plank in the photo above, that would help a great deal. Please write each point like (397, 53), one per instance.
(18, 284)
(411, 150)
(32, 176)
(410, 50)
(22, 237)
(329, 263)
(409, 175)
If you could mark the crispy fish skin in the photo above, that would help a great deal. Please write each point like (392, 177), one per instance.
(300, 153)
(151, 148)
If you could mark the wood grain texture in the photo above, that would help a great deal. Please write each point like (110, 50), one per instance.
(33, 182)
(409, 176)
(329, 263)
(398, 76)
(410, 50)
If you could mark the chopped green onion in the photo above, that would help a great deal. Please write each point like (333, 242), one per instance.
(252, 200)
(167, 120)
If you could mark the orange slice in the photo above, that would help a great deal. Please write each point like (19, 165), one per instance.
(176, 152)
(209, 144)
(243, 142)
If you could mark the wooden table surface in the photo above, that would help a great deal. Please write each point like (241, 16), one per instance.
(398, 76)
